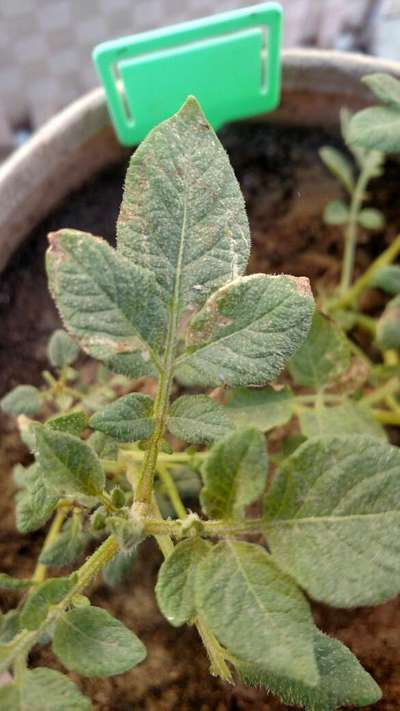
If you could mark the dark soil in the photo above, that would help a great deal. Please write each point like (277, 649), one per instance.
(285, 188)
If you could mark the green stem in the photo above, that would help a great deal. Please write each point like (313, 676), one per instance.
(216, 654)
(209, 528)
(357, 199)
(386, 417)
(40, 571)
(385, 258)
(389, 388)
(171, 490)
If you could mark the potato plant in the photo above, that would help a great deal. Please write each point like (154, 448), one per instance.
(230, 358)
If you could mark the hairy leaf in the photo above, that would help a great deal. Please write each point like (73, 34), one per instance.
(332, 519)
(336, 213)
(256, 611)
(197, 419)
(388, 327)
(127, 419)
(234, 473)
(342, 681)
(348, 418)
(22, 400)
(385, 87)
(68, 546)
(388, 279)
(36, 503)
(69, 465)
(89, 641)
(132, 365)
(339, 166)
(377, 127)
(74, 422)
(261, 408)
(7, 582)
(182, 215)
(324, 356)
(371, 219)
(36, 607)
(111, 305)
(247, 331)
(119, 567)
(43, 690)
(62, 350)
(175, 589)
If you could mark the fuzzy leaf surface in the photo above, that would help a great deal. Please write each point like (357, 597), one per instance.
(22, 400)
(343, 681)
(371, 219)
(197, 419)
(43, 690)
(332, 519)
(388, 327)
(336, 213)
(349, 418)
(175, 589)
(36, 503)
(127, 419)
(247, 331)
(37, 604)
(388, 279)
(62, 350)
(74, 423)
(324, 356)
(385, 87)
(182, 215)
(234, 474)
(119, 567)
(377, 128)
(260, 408)
(68, 546)
(338, 164)
(69, 465)
(256, 611)
(111, 305)
(89, 641)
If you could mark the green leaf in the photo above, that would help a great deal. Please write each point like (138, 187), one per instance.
(131, 365)
(388, 279)
(197, 419)
(385, 87)
(7, 582)
(261, 408)
(68, 546)
(9, 626)
(36, 503)
(349, 418)
(175, 589)
(8, 651)
(332, 519)
(234, 474)
(89, 641)
(247, 331)
(377, 127)
(339, 166)
(104, 446)
(36, 607)
(343, 681)
(388, 326)
(182, 215)
(371, 219)
(43, 690)
(69, 465)
(119, 567)
(336, 213)
(23, 400)
(109, 304)
(74, 423)
(62, 350)
(323, 357)
(256, 611)
(128, 419)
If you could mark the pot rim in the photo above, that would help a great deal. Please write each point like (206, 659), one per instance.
(78, 141)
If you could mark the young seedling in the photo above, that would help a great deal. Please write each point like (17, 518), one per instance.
(171, 303)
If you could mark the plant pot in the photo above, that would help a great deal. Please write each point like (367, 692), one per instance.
(286, 188)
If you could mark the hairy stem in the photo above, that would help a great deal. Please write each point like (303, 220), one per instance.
(385, 258)
(208, 528)
(40, 572)
(357, 199)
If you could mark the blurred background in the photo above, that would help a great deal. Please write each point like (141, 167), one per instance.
(45, 45)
